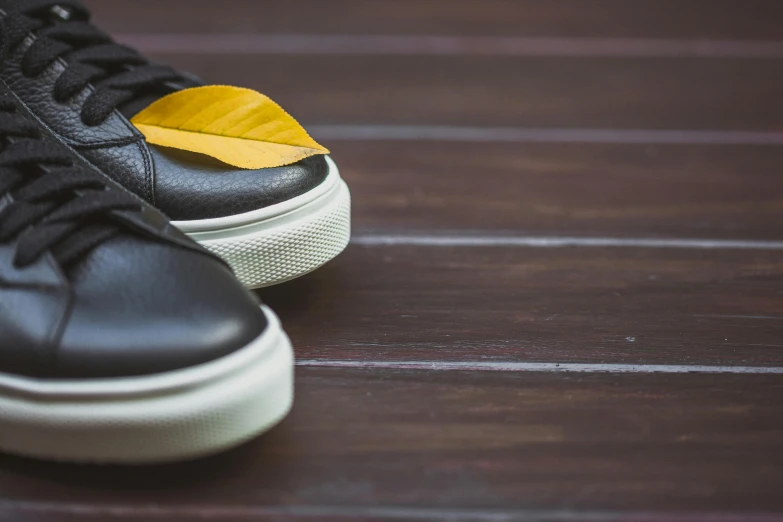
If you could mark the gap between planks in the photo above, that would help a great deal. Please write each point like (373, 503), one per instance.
(540, 367)
(451, 133)
(444, 45)
(212, 512)
(457, 239)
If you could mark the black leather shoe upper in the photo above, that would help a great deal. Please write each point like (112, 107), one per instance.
(194, 186)
(144, 306)
(46, 62)
(95, 283)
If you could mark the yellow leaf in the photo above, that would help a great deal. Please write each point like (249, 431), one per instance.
(238, 126)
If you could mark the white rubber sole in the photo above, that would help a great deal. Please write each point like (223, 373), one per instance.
(284, 241)
(166, 417)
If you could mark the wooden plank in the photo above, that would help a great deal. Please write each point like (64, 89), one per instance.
(545, 92)
(717, 19)
(563, 305)
(384, 444)
(430, 445)
(565, 189)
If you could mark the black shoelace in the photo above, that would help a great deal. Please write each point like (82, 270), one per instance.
(55, 206)
(120, 74)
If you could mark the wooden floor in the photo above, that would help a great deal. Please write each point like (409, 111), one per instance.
(564, 297)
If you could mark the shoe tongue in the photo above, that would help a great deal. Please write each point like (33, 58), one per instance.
(131, 108)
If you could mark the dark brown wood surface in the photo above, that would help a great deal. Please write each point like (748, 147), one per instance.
(479, 352)
(621, 190)
(623, 93)
(613, 305)
(396, 443)
(713, 19)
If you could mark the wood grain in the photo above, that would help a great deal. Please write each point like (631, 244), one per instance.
(561, 189)
(462, 441)
(379, 444)
(716, 19)
(595, 305)
(500, 91)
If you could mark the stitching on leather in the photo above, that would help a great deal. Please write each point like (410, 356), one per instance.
(15, 59)
(148, 173)
(55, 136)
(104, 144)
(93, 145)
(99, 144)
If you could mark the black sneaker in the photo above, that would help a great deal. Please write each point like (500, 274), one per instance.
(83, 88)
(121, 340)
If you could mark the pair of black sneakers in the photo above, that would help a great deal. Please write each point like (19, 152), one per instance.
(121, 338)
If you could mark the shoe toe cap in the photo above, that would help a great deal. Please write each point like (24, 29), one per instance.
(190, 186)
(142, 307)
